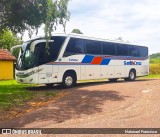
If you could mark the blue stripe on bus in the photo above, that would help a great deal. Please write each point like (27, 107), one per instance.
(105, 61)
(87, 59)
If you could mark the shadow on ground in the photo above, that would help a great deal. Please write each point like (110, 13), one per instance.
(75, 105)
(59, 88)
(78, 103)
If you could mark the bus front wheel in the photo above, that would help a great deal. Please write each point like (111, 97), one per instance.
(69, 80)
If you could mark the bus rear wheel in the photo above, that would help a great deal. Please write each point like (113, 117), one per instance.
(49, 85)
(113, 80)
(132, 76)
(69, 80)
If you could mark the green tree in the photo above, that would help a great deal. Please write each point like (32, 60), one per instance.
(77, 31)
(21, 15)
(154, 56)
(8, 39)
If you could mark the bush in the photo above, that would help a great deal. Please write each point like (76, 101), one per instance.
(154, 69)
(155, 61)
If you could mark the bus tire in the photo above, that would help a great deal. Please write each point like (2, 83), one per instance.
(132, 75)
(69, 80)
(49, 85)
(113, 80)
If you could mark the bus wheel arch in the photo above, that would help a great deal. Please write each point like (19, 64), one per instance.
(132, 75)
(69, 78)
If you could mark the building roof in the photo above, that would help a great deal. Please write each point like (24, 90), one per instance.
(6, 55)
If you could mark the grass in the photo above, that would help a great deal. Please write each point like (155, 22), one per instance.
(152, 76)
(13, 94)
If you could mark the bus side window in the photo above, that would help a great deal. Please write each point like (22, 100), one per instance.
(75, 46)
(143, 51)
(93, 47)
(40, 53)
(122, 49)
(108, 48)
(134, 51)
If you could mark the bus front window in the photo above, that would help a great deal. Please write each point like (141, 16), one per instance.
(19, 65)
(25, 59)
(30, 58)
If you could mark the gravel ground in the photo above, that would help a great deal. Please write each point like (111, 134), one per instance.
(99, 105)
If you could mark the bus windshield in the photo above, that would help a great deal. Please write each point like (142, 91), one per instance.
(26, 58)
(41, 54)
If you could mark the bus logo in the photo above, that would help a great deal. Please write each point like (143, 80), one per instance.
(73, 60)
(132, 63)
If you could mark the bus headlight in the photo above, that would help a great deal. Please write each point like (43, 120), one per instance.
(28, 74)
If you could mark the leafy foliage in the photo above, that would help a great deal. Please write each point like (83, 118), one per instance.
(8, 39)
(156, 55)
(21, 15)
(56, 14)
(154, 69)
(77, 31)
(155, 60)
(16, 52)
(155, 64)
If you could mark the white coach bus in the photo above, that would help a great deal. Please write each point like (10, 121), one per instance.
(70, 58)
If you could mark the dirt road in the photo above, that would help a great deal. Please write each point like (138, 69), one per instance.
(99, 105)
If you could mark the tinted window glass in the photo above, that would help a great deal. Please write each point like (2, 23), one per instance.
(143, 51)
(122, 50)
(75, 46)
(133, 51)
(93, 47)
(56, 45)
(108, 48)
(43, 55)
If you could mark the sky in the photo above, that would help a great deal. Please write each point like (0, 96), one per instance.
(136, 21)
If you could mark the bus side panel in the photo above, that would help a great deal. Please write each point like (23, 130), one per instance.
(45, 75)
(107, 71)
(137, 68)
(120, 72)
(64, 68)
(72, 62)
(141, 70)
(83, 72)
(92, 72)
(145, 68)
(120, 69)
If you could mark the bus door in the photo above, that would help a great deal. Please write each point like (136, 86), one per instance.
(43, 58)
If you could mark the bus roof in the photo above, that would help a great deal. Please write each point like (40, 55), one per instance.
(90, 38)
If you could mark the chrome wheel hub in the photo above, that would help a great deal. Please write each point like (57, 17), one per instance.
(132, 75)
(68, 81)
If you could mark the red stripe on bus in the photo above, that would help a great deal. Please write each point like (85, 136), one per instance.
(97, 60)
